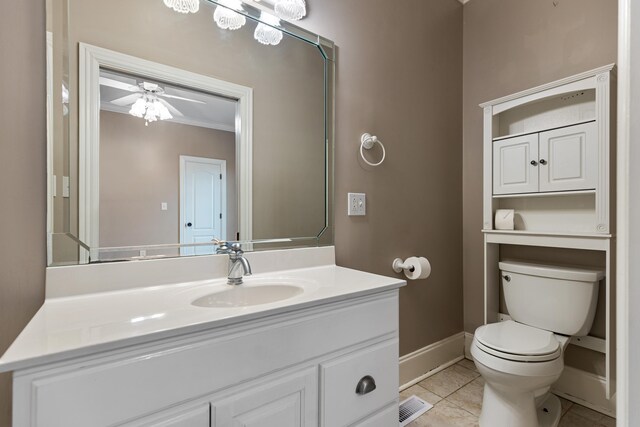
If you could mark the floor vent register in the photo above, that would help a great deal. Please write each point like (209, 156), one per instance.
(412, 408)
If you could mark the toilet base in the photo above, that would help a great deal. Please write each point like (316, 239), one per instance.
(549, 411)
(519, 410)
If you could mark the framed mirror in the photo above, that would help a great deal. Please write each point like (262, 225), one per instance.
(169, 131)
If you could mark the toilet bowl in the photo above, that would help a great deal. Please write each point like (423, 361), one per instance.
(518, 363)
(520, 359)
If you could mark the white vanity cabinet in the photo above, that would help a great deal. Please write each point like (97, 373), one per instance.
(563, 159)
(303, 367)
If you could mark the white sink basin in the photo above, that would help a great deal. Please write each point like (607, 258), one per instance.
(245, 296)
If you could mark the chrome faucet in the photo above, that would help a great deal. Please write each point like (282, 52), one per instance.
(238, 265)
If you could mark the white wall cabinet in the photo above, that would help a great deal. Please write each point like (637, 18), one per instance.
(288, 370)
(564, 159)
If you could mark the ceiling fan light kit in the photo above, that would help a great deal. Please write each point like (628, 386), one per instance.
(150, 109)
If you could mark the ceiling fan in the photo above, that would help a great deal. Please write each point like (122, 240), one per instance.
(147, 100)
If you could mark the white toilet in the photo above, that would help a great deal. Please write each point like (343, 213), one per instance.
(519, 359)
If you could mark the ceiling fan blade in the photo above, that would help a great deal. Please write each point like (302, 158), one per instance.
(126, 100)
(174, 112)
(182, 98)
(105, 81)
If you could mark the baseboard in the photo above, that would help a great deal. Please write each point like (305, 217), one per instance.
(468, 339)
(416, 366)
(586, 389)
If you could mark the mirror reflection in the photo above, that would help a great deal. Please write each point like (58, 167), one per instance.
(178, 130)
(167, 165)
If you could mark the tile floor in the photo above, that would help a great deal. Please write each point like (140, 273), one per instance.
(456, 394)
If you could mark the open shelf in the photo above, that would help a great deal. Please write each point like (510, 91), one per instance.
(542, 129)
(588, 241)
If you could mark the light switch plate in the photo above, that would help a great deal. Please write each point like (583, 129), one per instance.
(65, 186)
(356, 204)
(163, 206)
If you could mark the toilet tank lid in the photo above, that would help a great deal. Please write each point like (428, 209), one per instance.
(580, 274)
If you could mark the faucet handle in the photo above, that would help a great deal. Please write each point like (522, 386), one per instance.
(223, 247)
(237, 248)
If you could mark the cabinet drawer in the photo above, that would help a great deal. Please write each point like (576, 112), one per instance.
(340, 377)
(385, 418)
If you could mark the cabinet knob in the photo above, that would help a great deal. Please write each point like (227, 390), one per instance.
(534, 163)
(543, 162)
(366, 385)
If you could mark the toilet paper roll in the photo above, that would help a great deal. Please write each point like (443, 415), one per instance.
(421, 268)
(504, 219)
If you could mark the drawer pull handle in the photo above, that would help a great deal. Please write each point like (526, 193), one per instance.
(366, 385)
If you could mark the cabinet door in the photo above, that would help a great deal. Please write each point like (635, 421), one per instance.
(288, 401)
(515, 165)
(569, 158)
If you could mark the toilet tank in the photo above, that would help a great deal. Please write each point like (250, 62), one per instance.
(554, 298)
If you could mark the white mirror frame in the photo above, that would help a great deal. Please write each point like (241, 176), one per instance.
(91, 59)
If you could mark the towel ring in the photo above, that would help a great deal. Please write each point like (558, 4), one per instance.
(366, 142)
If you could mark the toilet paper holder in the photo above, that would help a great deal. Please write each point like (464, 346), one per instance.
(414, 268)
(399, 265)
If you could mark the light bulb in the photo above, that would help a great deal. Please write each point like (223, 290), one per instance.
(229, 19)
(162, 111)
(291, 10)
(266, 34)
(183, 6)
(138, 108)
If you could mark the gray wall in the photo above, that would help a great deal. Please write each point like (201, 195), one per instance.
(398, 76)
(22, 174)
(511, 45)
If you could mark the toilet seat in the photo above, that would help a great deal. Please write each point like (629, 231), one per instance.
(516, 342)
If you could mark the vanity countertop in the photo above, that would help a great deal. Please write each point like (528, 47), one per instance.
(82, 325)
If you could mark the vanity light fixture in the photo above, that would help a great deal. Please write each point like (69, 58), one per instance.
(149, 108)
(183, 6)
(265, 33)
(227, 18)
(290, 10)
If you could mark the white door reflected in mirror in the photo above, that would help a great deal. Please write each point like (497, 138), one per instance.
(202, 203)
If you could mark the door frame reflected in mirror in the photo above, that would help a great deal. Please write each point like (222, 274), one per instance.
(91, 60)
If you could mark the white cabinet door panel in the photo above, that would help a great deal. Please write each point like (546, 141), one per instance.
(288, 401)
(513, 171)
(569, 158)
